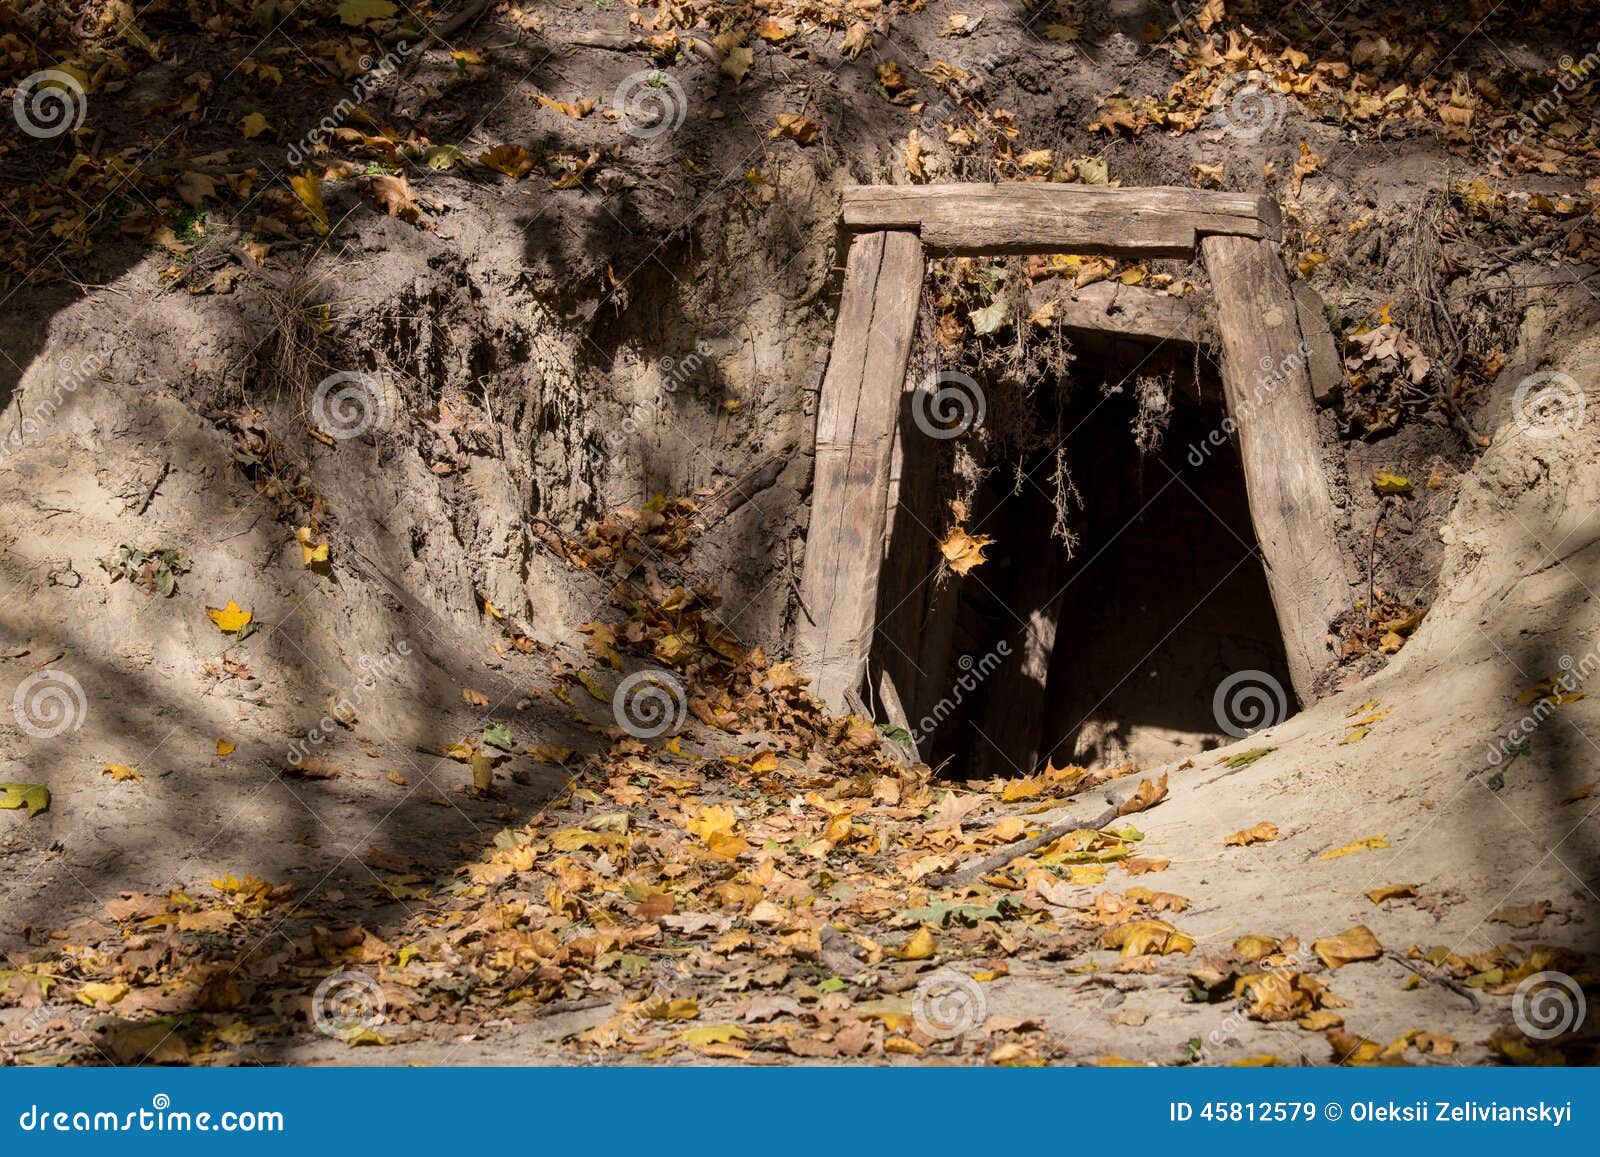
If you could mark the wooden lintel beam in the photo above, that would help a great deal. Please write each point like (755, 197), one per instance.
(1020, 217)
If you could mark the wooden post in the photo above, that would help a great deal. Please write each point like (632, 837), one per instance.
(1268, 387)
(856, 417)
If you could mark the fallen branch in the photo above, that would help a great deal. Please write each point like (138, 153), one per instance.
(1027, 847)
(625, 42)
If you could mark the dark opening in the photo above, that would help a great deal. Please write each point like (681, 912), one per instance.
(1115, 653)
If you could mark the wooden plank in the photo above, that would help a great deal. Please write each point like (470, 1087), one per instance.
(1042, 218)
(856, 416)
(1127, 310)
(1268, 387)
(1322, 352)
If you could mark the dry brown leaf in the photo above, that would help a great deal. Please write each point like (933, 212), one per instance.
(1261, 833)
(1347, 947)
(963, 551)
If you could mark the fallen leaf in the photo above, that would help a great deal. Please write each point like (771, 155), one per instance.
(1524, 916)
(308, 187)
(311, 553)
(1392, 892)
(121, 773)
(1146, 938)
(357, 12)
(1371, 843)
(395, 194)
(1261, 833)
(736, 62)
(1388, 482)
(794, 127)
(33, 796)
(1351, 945)
(230, 619)
(512, 160)
(921, 946)
(1148, 794)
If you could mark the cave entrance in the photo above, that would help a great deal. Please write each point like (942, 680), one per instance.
(1275, 355)
(1113, 650)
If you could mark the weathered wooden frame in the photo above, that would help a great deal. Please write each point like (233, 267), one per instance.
(1269, 345)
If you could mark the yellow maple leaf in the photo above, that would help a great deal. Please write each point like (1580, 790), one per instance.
(311, 553)
(224, 747)
(963, 551)
(230, 619)
(253, 126)
(121, 772)
(308, 187)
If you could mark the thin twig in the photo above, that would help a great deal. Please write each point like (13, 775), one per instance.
(1027, 847)
(1453, 985)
